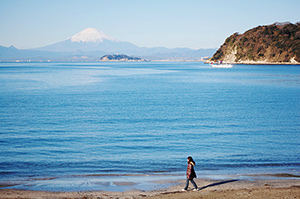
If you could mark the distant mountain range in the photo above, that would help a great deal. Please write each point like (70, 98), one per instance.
(91, 44)
(278, 43)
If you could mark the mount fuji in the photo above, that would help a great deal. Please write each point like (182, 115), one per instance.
(88, 40)
(92, 35)
(91, 44)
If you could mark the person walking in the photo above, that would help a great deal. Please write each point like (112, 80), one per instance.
(190, 174)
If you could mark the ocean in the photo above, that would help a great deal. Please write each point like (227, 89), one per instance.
(143, 118)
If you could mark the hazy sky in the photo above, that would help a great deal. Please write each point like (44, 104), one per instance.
(147, 23)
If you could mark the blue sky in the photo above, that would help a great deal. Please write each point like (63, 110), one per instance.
(148, 23)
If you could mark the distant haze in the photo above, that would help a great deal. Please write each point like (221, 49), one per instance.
(194, 24)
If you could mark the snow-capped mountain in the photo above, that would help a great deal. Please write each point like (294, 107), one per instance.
(88, 40)
(92, 35)
(90, 44)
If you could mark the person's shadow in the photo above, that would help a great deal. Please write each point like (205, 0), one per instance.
(218, 183)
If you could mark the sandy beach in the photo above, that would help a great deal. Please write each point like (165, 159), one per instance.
(230, 188)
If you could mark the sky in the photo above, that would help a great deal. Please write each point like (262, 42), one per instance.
(146, 23)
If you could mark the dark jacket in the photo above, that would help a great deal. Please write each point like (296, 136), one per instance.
(190, 172)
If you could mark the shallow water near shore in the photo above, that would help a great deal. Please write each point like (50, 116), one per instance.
(65, 119)
(129, 182)
(112, 183)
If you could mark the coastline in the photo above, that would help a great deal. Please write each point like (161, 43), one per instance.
(258, 63)
(162, 60)
(257, 186)
(210, 189)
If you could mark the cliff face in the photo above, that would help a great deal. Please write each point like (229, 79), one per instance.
(276, 43)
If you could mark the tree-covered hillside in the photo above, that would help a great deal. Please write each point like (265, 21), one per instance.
(278, 43)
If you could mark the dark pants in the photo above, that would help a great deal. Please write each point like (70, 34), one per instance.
(187, 184)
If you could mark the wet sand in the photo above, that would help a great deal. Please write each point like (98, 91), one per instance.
(230, 188)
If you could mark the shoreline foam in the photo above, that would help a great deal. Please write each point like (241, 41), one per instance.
(127, 182)
(210, 189)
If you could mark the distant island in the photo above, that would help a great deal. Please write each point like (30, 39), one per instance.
(278, 43)
(120, 58)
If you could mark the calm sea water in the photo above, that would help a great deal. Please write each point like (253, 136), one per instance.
(60, 119)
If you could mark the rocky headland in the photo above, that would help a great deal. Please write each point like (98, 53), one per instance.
(278, 43)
